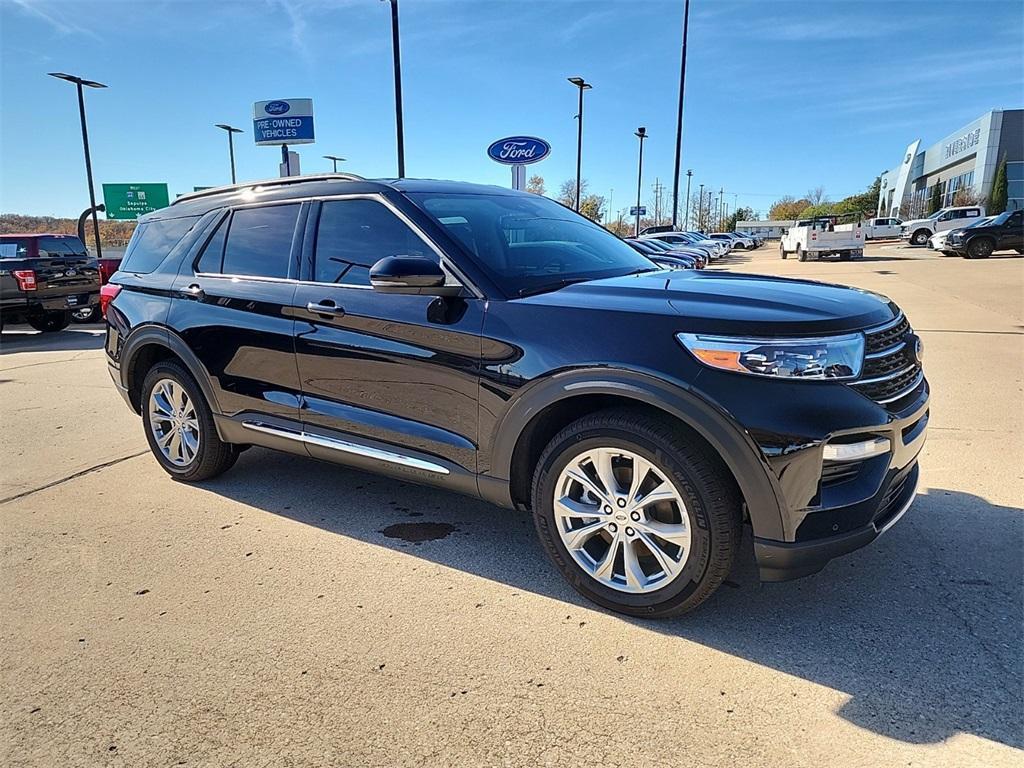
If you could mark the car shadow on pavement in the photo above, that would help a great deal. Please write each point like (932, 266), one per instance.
(922, 629)
(74, 338)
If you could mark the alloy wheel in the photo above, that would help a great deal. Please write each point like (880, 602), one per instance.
(622, 520)
(174, 423)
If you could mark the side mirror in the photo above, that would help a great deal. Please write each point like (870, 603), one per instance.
(411, 274)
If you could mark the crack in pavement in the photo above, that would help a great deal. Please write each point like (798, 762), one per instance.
(72, 476)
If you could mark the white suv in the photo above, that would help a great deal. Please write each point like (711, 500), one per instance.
(917, 231)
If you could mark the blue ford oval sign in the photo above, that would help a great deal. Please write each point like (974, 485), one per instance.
(277, 107)
(519, 150)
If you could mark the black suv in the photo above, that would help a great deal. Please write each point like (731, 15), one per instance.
(495, 343)
(1004, 232)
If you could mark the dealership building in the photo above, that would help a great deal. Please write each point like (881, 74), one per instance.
(965, 161)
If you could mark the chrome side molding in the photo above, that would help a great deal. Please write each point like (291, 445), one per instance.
(346, 447)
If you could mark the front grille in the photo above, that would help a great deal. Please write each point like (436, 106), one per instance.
(891, 372)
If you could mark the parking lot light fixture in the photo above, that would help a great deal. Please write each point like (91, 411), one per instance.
(81, 83)
(231, 144)
(641, 133)
(583, 85)
(686, 218)
(334, 159)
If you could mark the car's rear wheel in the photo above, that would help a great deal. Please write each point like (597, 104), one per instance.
(637, 517)
(801, 254)
(980, 248)
(50, 322)
(782, 250)
(179, 425)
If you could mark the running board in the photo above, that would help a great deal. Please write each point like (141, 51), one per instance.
(345, 447)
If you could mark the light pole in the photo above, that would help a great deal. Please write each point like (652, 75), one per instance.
(398, 89)
(334, 159)
(83, 83)
(686, 218)
(231, 144)
(583, 85)
(700, 207)
(641, 133)
(679, 117)
(721, 208)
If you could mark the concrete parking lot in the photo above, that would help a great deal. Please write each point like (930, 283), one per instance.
(278, 617)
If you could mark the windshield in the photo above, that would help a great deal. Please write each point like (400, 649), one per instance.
(529, 244)
(936, 214)
(989, 220)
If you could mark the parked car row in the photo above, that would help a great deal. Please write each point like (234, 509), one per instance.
(984, 237)
(918, 231)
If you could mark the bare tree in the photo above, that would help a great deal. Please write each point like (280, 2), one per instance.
(817, 195)
(536, 185)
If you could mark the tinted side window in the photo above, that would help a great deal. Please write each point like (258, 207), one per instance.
(213, 255)
(260, 241)
(14, 247)
(152, 242)
(353, 235)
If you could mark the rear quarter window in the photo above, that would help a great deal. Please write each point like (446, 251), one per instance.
(152, 242)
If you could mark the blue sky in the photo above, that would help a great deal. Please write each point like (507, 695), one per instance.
(781, 96)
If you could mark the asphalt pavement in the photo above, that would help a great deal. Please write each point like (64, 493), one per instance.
(293, 613)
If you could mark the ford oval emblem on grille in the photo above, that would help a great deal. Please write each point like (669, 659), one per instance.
(916, 347)
(71, 272)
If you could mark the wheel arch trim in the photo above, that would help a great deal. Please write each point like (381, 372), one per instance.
(735, 447)
(150, 335)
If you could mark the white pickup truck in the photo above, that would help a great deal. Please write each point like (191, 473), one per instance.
(811, 239)
(884, 228)
(917, 231)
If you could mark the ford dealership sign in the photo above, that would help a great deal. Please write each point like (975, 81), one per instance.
(283, 121)
(519, 150)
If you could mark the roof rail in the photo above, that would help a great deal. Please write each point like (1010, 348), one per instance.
(279, 182)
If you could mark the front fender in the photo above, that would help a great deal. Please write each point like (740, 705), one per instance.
(736, 448)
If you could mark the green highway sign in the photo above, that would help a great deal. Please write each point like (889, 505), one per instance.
(129, 201)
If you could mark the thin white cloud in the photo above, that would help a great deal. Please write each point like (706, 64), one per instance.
(57, 21)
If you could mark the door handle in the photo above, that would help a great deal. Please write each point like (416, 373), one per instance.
(326, 307)
(194, 291)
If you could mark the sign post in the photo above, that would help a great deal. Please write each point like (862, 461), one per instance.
(518, 151)
(129, 201)
(283, 122)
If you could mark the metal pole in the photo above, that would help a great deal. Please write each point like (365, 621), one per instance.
(721, 202)
(579, 150)
(231, 151)
(335, 164)
(88, 171)
(700, 207)
(641, 133)
(398, 89)
(679, 118)
(686, 218)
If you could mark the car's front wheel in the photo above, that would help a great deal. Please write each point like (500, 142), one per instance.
(980, 248)
(920, 237)
(179, 425)
(637, 516)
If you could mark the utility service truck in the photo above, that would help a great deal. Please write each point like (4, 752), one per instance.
(812, 239)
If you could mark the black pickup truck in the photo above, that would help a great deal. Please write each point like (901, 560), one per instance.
(44, 278)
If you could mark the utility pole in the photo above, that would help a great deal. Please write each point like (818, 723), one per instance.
(657, 188)
(686, 218)
(679, 118)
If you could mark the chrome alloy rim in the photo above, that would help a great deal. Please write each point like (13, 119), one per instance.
(622, 520)
(173, 420)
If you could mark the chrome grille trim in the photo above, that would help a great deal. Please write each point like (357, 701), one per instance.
(886, 352)
(893, 375)
(905, 391)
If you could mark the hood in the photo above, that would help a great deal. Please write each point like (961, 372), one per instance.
(729, 303)
(916, 223)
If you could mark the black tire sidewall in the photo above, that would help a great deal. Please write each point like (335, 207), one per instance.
(51, 322)
(685, 481)
(207, 430)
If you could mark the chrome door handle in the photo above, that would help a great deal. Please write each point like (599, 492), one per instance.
(325, 309)
(194, 291)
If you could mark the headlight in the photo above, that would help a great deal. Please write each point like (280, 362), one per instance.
(832, 357)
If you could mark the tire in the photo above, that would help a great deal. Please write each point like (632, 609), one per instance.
(920, 237)
(980, 247)
(782, 250)
(949, 253)
(210, 456)
(86, 315)
(51, 322)
(708, 506)
(845, 256)
(801, 254)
